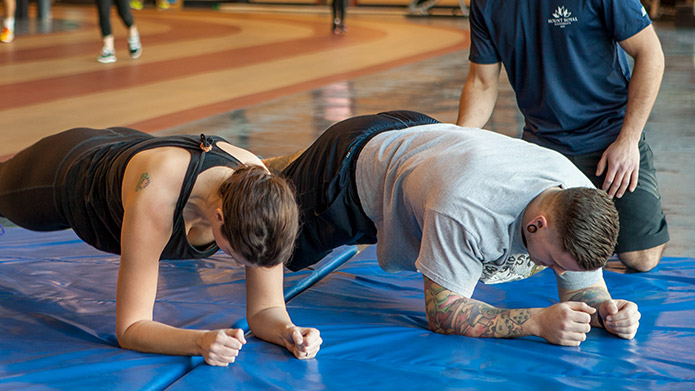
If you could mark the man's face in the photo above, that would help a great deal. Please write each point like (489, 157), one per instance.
(545, 249)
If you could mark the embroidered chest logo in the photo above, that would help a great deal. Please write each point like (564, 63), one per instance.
(562, 17)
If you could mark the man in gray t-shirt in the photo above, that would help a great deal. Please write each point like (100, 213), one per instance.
(462, 205)
(466, 188)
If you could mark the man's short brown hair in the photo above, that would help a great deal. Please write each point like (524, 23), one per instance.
(588, 225)
(261, 217)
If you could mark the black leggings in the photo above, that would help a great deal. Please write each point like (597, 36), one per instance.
(30, 181)
(104, 7)
(28, 185)
(339, 11)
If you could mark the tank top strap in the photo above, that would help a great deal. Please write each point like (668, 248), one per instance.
(194, 168)
(206, 147)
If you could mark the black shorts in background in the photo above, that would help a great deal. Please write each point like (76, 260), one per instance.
(642, 222)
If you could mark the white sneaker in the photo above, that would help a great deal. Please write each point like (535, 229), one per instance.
(107, 56)
(135, 46)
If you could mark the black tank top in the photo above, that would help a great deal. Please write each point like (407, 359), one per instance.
(95, 169)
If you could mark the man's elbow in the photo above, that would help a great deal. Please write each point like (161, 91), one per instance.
(435, 325)
(661, 62)
(447, 328)
(440, 330)
(656, 60)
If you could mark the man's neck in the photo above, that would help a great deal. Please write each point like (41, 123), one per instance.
(540, 204)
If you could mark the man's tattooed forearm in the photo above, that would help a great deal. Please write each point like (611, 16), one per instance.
(449, 313)
(593, 297)
(143, 182)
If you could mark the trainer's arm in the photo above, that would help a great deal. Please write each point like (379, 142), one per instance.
(268, 317)
(620, 317)
(620, 161)
(479, 95)
(149, 202)
(450, 313)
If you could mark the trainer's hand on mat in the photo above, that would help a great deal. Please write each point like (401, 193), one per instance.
(620, 161)
(220, 347)
(620, 317)
(303, 342)
(566, 323)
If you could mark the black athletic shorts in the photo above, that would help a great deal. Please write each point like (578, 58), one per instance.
(324, 177)
(642, 222)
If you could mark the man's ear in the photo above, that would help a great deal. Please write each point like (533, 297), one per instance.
(539, 221)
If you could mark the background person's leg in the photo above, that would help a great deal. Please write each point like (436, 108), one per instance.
(643, 228)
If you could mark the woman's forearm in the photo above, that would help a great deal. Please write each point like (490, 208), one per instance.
(270, 323)
(153, 337)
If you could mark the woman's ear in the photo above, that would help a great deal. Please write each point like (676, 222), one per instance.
(219, 216)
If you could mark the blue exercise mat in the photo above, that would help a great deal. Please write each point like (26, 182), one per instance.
(375, 337)
(58, 312)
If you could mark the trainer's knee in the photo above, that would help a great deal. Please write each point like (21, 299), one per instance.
(643, 260)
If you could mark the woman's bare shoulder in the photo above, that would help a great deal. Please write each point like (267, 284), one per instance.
(161, 159)
(161, 168)
(244, 156)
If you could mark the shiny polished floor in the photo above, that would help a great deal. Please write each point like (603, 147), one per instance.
(271, 79)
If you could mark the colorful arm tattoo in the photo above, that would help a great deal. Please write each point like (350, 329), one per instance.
(143, 182)
(592, 296)
(449, 313)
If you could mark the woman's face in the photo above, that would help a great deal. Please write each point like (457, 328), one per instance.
(222, 242)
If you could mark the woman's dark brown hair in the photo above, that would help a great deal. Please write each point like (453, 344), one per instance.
(261, 218)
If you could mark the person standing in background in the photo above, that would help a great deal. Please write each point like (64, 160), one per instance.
(338, 7)
(108, 51)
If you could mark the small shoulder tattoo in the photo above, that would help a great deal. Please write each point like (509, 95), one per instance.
(143, 182)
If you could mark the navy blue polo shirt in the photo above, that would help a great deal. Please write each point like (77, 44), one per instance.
(564, 62)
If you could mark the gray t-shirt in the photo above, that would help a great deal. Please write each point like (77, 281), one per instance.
(448, 201)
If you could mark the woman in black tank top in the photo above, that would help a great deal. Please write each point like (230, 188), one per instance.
(149, 198)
